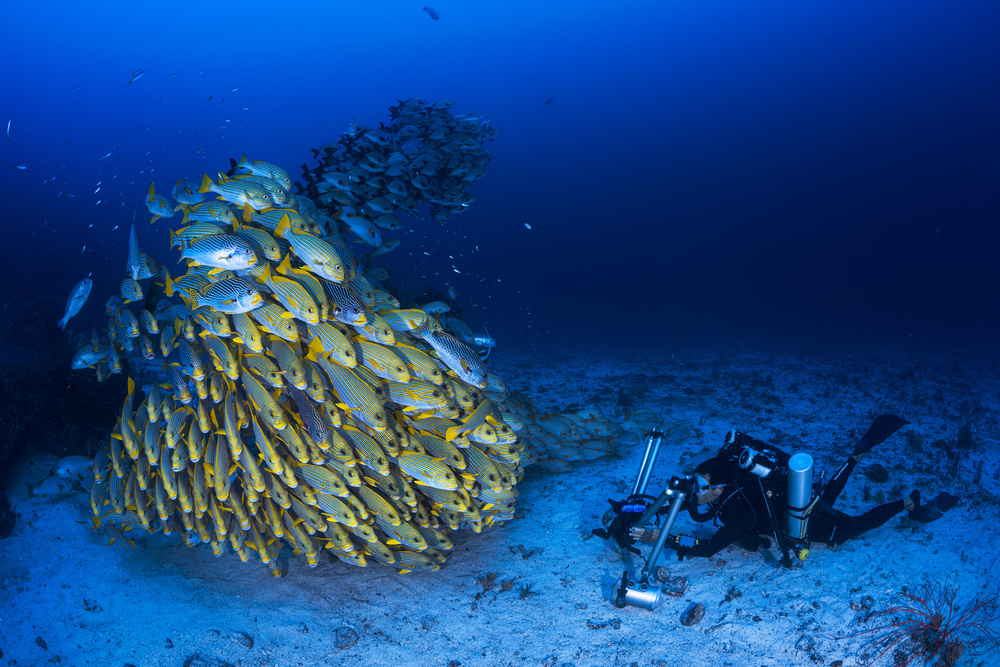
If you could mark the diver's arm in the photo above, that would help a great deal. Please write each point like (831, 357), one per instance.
(726, 535)
(723, 537)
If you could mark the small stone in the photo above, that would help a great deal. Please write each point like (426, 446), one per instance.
(241, 638)
(168, 643)
(454, 663)
(693, 614)
(41, 642)
(661, 573)
(805, 643)
(675, 586)
(615, 623)
(877, 473)
(344, 638)
(428, 622)
(202, 661)
(581, 605)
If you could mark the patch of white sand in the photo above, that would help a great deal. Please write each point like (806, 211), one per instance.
(67, 598)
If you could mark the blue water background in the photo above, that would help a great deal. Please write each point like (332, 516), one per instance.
(782, 171)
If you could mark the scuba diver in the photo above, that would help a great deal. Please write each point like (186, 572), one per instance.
(730, 489)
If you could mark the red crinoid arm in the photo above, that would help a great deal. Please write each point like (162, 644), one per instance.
(980, 616)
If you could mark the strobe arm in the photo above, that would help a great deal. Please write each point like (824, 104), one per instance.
(678, 490)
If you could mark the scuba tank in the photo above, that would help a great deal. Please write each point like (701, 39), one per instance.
(781, 478)
(798, 502)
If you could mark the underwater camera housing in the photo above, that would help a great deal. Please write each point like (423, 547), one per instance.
(785, 481)
(638, 509)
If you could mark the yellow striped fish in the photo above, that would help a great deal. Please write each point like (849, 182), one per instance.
(232, 425)
(265, 169)
(404, 321)
(209, 211)
(272, 317)
(270, 218)
(330, 341)
(311, 283)
(427, 470)
(381, 360)
(264, 404)
(216, 387)
(184, 236)
(289, 360)
(321, 478)
(420, 363)
(404, 533)
(293, 296)
(410, 561)
(485, 470)
(263, 241)
(263, 368)
(213, 321)
(440, 448)
(248, 462)
(368, 450)
(221, 478)
(385, 301)
(417, 393)
(356, 394)
(222, 356)
(378, 505)
(313, 251)
(376, 330)
(247, 333)
(269, 454)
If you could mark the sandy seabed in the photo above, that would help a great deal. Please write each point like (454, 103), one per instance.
(536, 590)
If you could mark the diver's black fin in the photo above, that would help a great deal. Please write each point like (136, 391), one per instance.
(880, 429)
(935, 509)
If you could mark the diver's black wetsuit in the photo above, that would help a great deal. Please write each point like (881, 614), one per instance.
(745, 520)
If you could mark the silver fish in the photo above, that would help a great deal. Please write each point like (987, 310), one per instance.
(134, 262)
(76, 299)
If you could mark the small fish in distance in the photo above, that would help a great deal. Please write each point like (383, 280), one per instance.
(432, 12)
(76, 299)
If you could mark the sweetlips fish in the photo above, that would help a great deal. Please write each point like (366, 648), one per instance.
(259, 168)
(458, 356)
(242, 193)
(222, 252)
(233, 295)
(88, 355)
(186, 192)
(77, 297)
(159, 205)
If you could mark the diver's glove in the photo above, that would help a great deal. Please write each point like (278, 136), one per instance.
(935, 509)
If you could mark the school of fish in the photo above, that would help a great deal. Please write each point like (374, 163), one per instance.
(296, 401)
(424, 158)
